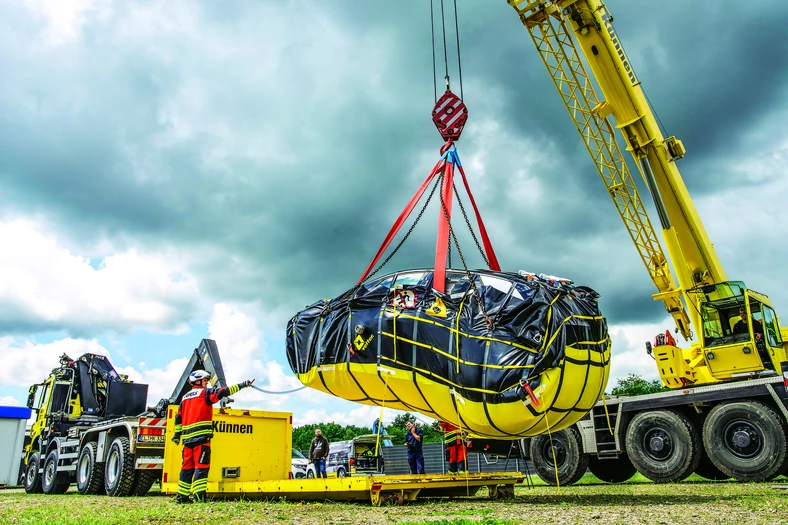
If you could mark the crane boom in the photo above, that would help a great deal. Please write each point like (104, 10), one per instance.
(552, 24)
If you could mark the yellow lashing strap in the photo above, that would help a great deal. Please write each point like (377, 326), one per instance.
(385, 390)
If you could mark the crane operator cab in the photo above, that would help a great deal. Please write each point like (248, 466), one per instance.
(741, 335)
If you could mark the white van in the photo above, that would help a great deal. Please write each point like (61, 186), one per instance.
(355, 457)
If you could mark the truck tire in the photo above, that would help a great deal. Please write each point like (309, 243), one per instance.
(663, 445)
(49, 480)
(119, 468)
(143, 481)
(32, 477)
(707, 469)
(613, 470)
(564, 450)
(90, 474)
(746, 440)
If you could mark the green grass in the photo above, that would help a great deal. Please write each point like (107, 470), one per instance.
(589, 502)
(463, 521)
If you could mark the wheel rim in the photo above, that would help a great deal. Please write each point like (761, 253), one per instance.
(658, 444)
(83, 470)
(742, 439)
(310, 475)
(112, 467)
(49, 472)
(341, 473)
(32, 471)
(555, 451)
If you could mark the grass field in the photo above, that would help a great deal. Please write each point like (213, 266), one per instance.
(693, 502)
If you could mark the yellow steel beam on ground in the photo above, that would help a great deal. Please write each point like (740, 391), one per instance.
(374, 489)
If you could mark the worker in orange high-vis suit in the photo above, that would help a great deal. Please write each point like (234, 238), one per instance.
(194, 423)
(454, 441)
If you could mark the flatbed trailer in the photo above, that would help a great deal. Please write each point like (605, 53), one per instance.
(374, 489)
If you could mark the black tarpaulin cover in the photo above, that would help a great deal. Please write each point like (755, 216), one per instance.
(542, 363)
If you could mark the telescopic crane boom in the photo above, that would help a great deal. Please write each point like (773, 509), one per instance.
(702, 299)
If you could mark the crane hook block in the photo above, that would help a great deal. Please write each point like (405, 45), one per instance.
(449, 116)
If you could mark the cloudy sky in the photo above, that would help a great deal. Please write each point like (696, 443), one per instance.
(177, 170)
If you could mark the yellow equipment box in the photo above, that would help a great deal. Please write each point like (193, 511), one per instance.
(247, 446)
(251, 457)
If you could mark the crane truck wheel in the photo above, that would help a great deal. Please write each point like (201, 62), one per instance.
(707, 469)
(663, 445)
(49, 480)
(90, 474)
(612, 470)
(565, 451)
(143, 481)
(119, 469)
(32, 477)
(746, 440)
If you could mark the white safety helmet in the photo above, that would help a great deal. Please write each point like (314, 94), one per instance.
(197, 375)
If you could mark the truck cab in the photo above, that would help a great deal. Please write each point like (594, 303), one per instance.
(741, 332)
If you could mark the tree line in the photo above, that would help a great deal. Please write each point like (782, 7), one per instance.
(395, 431)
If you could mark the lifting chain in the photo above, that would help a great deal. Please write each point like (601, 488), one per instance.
(476, 293)
(470, 228)
(326, 309)
(410, 230)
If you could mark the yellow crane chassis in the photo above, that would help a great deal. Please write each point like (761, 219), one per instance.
(374, 489)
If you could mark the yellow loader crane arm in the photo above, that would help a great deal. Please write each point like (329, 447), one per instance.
(702, 299)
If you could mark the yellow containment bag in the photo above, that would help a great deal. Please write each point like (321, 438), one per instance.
(501, 355)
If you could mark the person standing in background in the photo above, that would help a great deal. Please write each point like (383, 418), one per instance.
(413, 440)
(454, 442)
(318, 452)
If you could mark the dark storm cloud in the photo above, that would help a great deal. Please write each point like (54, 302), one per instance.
(280, 143)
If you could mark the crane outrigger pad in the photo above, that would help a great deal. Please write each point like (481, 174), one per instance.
(516, 357)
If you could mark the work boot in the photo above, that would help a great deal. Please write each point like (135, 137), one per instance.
(200, 496)
(180, 499)
(452, 468)
(462, 467)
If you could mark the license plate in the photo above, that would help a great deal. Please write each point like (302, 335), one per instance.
(150, 439)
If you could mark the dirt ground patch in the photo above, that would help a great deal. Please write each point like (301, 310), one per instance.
(688, 503)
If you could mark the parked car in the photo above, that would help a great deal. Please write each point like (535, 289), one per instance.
(355, 457)
(301, 467)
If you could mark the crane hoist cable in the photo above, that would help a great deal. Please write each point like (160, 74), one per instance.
(445, 48)
(442, 175)
(449, 115)
(277, 393)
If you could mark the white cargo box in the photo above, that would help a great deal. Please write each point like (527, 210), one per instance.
(12, 436)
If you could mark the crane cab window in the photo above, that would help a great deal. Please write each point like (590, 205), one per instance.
(720, 323)
(771, 328)
(740, 322)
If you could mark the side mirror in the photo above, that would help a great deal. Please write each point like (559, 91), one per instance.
(31, 397)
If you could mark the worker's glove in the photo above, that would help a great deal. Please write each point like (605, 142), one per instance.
(176, 438)
(247, 383)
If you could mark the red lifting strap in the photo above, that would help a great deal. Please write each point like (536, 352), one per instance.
(442, 245)
(491, 258)
(446, 164)
(401, 219)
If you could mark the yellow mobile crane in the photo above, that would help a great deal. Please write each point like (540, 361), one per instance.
(742, 425)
